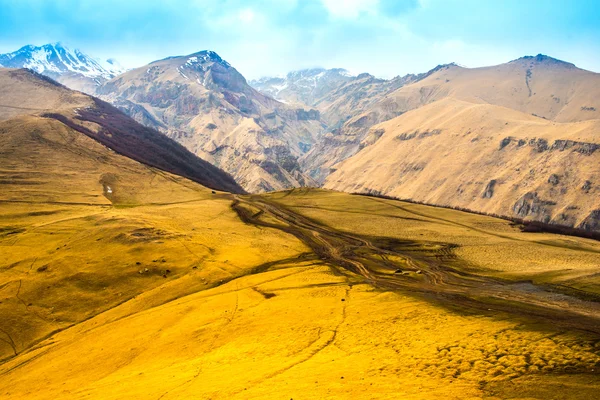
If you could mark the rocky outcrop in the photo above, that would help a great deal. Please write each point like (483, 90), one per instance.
(505, 142)
(554, 180)
(310, 115)
(591, 222)
(488, 193)
(541, 145)
(580, 147)
(530, 205)
(417, 134)
(373, 136)
(587, 185)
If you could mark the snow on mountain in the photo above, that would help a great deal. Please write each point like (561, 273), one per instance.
(113, 67)
(304, 85)
(73, 68)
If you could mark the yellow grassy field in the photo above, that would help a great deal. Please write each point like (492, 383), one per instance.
(484, 244)
(251, 312)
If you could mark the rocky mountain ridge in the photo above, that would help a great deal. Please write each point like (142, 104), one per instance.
(204, 103)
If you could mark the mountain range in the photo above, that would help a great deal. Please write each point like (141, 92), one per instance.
(527, 134)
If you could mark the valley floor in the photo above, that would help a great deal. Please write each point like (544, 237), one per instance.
(298, 294)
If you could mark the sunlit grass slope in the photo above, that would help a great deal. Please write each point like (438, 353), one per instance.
(485, 245)
(83, 229)
(248, 312)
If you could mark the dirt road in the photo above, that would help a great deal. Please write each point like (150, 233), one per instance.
(429, 270)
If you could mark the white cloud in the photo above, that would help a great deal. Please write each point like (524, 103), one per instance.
(246, 15)
(351, 9)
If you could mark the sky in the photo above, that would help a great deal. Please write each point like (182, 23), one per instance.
(272, 37)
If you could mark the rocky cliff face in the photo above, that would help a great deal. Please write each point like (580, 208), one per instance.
(204, 103)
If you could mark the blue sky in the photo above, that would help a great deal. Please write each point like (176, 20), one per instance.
(270, 37)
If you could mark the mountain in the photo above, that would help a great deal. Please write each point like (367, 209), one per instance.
(72, 68)
(519, 140)
(38, 107)
(538, 85)
(339, 97)
(342, 109)
(204, 103)
(303, 86)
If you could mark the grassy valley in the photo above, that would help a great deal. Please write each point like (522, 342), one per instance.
(275, 296)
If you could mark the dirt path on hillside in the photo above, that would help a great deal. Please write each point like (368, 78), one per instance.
(424, 269)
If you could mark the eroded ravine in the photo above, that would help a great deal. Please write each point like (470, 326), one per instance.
(424, 269)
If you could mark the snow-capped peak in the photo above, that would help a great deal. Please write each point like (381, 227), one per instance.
(205, 56)
(55, 59)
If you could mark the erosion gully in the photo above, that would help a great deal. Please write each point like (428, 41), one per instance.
(424, 269)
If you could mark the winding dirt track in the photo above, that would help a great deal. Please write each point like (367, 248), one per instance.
(423, 269)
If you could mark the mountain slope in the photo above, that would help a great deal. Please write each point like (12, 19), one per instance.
(72, 68)
(23, 92)
(485, 158)
(205, 104)
(84, 229)
(538, 85)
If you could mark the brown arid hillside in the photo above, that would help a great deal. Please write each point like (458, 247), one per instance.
(205, 104)
(26, 93)
(485, 158)
(540, 85)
